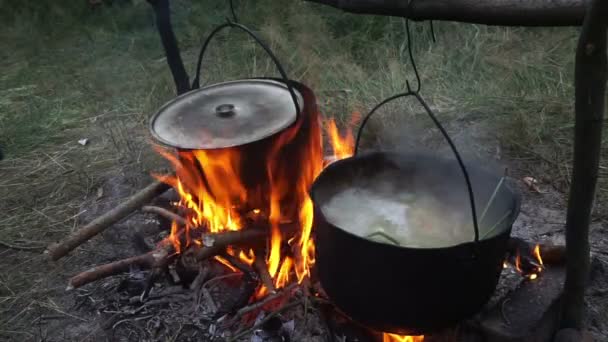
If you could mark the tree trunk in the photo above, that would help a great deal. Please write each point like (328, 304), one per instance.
(590, 87)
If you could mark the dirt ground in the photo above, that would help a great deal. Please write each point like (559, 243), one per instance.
(37, 307)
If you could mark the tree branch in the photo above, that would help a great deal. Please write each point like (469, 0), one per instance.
(59, 249)
(487, 12)
(590, 77)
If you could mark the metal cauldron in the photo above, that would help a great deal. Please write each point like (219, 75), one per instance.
(250, 117)
(404, 290)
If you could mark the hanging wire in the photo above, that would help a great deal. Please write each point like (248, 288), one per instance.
(234, 17)
(432, 31)
(428, 110)
(411, 55)
(257, 39)
(416, 93)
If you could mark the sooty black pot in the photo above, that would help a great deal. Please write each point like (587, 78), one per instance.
(410, 290)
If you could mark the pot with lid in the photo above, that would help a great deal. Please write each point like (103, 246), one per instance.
(250, 117)
(399, 247)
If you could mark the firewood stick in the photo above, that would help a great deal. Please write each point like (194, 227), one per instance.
(151, 259)
(158, 258)
(220, 241)
(59, 249)
(260, 267)
(171, 216)
(259, 304)
(553, 254)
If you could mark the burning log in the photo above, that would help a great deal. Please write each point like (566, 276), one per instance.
(153, 259)
(217, 243)
(550, 254)
(164, 213)
(158, 259)
(249, 283)
(260, 267)
(59, 249)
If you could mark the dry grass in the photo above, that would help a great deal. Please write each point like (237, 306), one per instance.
(69, 73)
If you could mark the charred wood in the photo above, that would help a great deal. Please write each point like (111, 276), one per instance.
(550, 254)
(262, 270)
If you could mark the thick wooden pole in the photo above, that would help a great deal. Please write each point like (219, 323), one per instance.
(167, 37)
(590, 92)
(487, 12)
(60, 249)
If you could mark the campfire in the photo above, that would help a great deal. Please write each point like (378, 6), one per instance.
(243, 164)
(260, 230)
(214, 200)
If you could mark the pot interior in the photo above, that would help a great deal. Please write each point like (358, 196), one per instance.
(413, 200)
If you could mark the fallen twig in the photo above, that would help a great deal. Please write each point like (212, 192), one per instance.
(60, 249)
(153, 259)
(171, 216)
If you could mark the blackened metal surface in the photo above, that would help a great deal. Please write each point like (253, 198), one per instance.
(407, 290)
(280, 152)
(224, 115)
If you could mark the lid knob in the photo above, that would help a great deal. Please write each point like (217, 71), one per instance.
(225, 110)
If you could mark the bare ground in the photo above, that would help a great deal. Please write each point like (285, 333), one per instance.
(36, 307)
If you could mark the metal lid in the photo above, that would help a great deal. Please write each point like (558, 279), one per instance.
(225, 115)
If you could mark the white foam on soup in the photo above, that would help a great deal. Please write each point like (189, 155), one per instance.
(383, 213)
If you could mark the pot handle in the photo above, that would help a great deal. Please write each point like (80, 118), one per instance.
(428, 110)
(196, 81)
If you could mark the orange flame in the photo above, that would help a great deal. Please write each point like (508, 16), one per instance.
(518, 262)
(247, 258)
(537, 255)
(386, 337)
(343, 145)
(537, 270)
(225, 263)
(283, 277)
(214, 197)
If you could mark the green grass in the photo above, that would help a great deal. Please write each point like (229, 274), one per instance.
(72, 72)
(69, 72)
(65, 66)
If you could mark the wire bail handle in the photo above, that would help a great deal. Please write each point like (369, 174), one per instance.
(229, 23)
(428, 110)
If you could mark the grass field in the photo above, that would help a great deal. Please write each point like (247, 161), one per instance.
(70, 72)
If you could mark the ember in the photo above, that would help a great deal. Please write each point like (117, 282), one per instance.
(401, 338)
(529, 266)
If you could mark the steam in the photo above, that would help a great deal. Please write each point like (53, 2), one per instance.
(439, 187)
